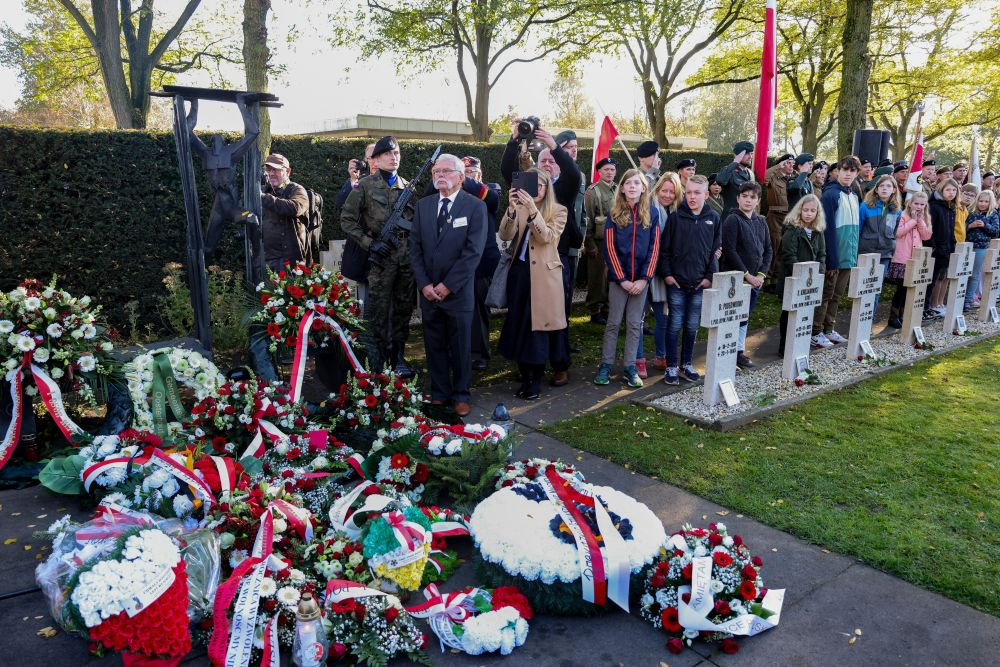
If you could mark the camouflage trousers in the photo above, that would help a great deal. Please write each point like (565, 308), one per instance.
(392, 296)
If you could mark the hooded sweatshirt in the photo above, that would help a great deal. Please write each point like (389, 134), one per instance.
(688, 245)
(840, 207)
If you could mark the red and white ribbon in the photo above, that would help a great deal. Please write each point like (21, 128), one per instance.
(338, 590)
(256, 447)
(441, 611)
(111, 520)
(299, 518)
(604, 568)
(151, 456)
(302, 348)
(409, 534)
(449, 528)
(51, 398)
(226, 468)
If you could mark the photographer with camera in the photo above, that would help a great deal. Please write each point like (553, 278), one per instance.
(283, 205)
(566, 183)
(356, 169)
(392, 290)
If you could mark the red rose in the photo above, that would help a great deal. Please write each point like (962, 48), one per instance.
(747, 590)
(722, 607)
(421, 474)
(675, 645)
(270, 605)
(399, 461)
(686, 598)
(722, 559)
(714, 540)
(757, 561)
(338, 650)
(657, 580)
(737, 540)
(748, 572)
(391, 613)
(730, 646)
(686, 572)
(668, 619)
(530, 472)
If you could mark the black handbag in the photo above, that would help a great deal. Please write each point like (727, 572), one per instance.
(354, 263)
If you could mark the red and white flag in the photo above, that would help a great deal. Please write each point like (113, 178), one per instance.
(975, 175)
(768, 99)
(916, 165)
(605, 134)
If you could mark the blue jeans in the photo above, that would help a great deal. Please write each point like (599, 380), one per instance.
(685, 314)
(885, 267)
(976, 279)
(754, 292)
(659, 332)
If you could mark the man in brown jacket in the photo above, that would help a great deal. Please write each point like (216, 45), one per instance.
(285, 206)
(776, 186)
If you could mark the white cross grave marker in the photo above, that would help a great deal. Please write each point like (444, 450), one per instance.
(959, 270)
(723, 307)
(865, 285)
(803, 292)
(919, 274)
(991, 284)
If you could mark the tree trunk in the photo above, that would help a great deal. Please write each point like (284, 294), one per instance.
(480, 120)
(255, 57)
(853, 101)
(659, 124)
(107, 30)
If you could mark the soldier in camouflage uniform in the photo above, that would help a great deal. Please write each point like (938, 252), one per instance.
(596, 206)
(392, 291)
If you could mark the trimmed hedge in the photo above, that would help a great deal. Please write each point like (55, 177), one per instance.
(104, 210)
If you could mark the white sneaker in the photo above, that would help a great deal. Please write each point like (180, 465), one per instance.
(819, 340)
(940, 310)
(835, 337)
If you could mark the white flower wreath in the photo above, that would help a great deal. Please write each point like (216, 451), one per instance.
(190, 368)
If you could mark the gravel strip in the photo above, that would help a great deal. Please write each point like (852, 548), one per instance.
(765, 386)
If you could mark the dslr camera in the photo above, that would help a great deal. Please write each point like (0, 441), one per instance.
(362, 166)
(526, 128)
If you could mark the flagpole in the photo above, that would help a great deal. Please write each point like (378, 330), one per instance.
(619, 138)
(916, 136)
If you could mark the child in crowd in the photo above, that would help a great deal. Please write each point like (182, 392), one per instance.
(879, 215)
(687, 262)
(715, 195)
(666, 197)
(746, 247)
(982, 226)
(631, 246)
(944, 209)
(914, 228)
(802, 240)
(840, 210)
(966, 202)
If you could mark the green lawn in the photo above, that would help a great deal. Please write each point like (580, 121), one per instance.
(900, 471)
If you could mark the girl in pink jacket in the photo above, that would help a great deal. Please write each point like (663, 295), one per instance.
(914, 228)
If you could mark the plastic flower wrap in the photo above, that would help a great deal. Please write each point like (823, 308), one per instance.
(299, 288)
(707, 584)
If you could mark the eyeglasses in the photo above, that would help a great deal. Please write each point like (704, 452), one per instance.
(438, 172)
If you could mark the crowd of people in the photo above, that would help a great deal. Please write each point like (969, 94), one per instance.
(651, 241)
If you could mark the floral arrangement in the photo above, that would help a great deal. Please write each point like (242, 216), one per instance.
(228, 420)
(526, 470)
(187, 367)
(808, 376)
(523, 541)
(397, 545)
(134, 598)
(60, 331)
(403, 473)
(373, 629)
(722, 576)
(293, 292)
(448, 440)
(477, 620)
(337, 556)
(299, 461)
(378, 399)
(402, 427)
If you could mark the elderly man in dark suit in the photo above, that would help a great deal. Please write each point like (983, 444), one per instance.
(446, 244)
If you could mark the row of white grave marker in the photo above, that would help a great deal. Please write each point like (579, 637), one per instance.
(727, 303)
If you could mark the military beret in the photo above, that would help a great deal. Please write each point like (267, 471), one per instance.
(565, 136)
(902, 165)
(742, 147)
(802, 158)
(929, 163)
(822, 164)
(603, 162)
(647, 148)
(864, 161)
(711, 179)
(786, 156)
(384, 145)
(882, 171)
(942, 169)
(989, 173)
(685, 163)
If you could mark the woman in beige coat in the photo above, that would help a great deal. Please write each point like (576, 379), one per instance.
(534, 332)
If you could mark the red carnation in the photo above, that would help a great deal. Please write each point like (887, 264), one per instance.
(730, 646)
(747, 590)
(371, 401)
(722, 607)
(658, 580)
(668, 619)
(686, 572)
(399, 461)
(722, 559)
(510, 596)
(757, 561)
(391, 613)
(316, 290)
(421, 474)
(748, 572)
(675, 645)
(714, 540)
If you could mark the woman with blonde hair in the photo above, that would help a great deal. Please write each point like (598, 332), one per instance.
(665, 197)
(982, 226)
(802, 240)
(534, 331)
(914, 228)
(631, 246)
(878, 217)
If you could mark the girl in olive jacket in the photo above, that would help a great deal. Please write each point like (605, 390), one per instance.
(802, 240)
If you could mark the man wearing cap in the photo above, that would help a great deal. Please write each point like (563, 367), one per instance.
(776, 186)
(284, 204)
(648, 153)
(597, 205)
(801, 185)
(391, 287)
(865, 176)
(901, 172)
(686, 168)
(959, 172)
(735, 174)
(928, 176)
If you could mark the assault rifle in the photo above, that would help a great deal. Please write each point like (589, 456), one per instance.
(388, 240)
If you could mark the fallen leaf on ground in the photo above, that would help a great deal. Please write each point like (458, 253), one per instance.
(857, 631)
(10, 540)
(826, 551)
(852, 640)
(48, 632)
(723, 513)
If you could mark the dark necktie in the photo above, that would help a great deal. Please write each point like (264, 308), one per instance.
(443, 215)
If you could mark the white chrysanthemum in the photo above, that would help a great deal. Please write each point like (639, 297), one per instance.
(170, 489)
(288, 596)
(41, 355)
(111, 477)
(280, 526)
(237, 557)
(453, 447)
(57, 373)
(268, 587)
(6, 326)
(87, 363)
(24, 343)
(32, 303)
(116, 498)
(296, 576)
(182, 505)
